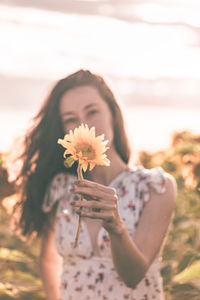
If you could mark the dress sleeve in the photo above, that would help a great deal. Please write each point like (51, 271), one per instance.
(55, 191)
(157, 180)
(154, 178)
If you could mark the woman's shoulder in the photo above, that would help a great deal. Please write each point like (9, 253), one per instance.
(140, 173)
(56, 189)
(156, 175)
(155, 179)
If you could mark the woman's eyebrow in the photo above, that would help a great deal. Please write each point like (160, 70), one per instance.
(90, 106)
(68, 113)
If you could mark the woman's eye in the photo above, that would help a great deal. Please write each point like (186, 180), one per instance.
(92, 112)
(71, 120)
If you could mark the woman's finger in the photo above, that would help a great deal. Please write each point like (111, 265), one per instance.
(95, 193)
(96, 186)
(105, 216)
(94, 204)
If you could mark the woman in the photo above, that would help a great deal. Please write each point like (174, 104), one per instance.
(126, 212)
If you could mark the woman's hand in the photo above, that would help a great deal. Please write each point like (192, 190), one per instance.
(99, 202)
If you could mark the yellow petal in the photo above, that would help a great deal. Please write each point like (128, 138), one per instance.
(92, 165)
(62, 142)
(92, 132)
(84, 165)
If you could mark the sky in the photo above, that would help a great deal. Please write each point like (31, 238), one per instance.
(149, 51)
(161, 39)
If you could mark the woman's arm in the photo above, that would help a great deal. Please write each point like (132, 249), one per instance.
(131, 258)
(50, 264)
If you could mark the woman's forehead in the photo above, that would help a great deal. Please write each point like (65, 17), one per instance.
(82, 97)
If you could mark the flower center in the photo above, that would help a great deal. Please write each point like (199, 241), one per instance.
(86, 150)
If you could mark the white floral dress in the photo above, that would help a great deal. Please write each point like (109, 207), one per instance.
(88, 277)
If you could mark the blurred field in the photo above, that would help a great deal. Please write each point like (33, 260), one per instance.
(19, 275)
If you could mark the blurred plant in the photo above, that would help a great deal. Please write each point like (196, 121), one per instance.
(192, 272)
(181, 159)
(181, 256)
(6, 187)
(19, 275)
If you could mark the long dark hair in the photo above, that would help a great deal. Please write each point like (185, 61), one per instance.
(43, 157)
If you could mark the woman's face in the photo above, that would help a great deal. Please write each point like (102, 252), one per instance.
(85, 105)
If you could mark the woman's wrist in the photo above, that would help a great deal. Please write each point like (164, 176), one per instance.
(118, 229)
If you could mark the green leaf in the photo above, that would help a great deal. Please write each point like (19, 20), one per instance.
(190, 273)
(68, 162)
(188, 148)
(13, 255)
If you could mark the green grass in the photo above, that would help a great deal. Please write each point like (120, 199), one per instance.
(19, 274)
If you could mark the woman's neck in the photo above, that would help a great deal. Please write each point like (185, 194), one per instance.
(104, 175)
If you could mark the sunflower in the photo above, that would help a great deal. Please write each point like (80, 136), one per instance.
(82, 146)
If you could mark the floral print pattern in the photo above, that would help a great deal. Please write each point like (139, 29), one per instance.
(90, 277)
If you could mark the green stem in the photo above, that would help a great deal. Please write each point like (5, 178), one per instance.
(80, 177)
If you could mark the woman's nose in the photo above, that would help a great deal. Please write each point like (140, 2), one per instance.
(80, 121)
(83, 120)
